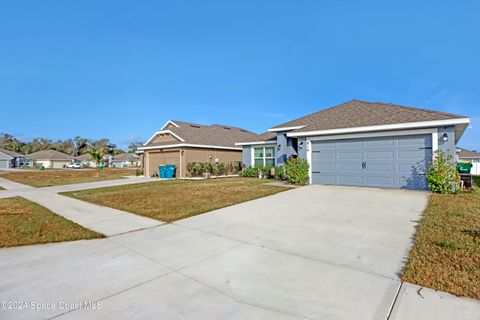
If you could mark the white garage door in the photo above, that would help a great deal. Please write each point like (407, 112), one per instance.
(3, 164)
(393, 162)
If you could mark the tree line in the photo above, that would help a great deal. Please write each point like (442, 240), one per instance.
(74, 147)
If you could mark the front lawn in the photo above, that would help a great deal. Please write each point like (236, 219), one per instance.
(23, 222)
(37, 178)
(178, 199)
(446, 251)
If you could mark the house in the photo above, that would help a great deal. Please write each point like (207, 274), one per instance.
(86, 161)
(10, 159)
(125, 160)
(472, 157)
(179, 143)
(361, 143)
(50, 159)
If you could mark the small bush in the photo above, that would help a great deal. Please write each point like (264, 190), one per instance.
(442, 175)
(296, 171)
(279, 173)
(249, 172)
(202, 169)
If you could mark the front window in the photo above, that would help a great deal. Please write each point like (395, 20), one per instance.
(264, 156)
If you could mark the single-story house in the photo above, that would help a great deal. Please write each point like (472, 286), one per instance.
(361, 143)
(10, 159)
(472, 157)
(125, 160)
(179, 143)
(51, 159)
(86, 161)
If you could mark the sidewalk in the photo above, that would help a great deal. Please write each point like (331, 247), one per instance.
(101, 219)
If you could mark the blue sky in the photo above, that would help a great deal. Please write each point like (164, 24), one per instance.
(121, 69)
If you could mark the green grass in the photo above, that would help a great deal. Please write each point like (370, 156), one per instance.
(23, 223)
(476, 181)
(446, 251)
(178, 199)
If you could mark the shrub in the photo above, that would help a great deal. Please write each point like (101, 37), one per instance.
(279, 173)
(442, 175)
(200, 169)
(222, 169)
(249, 172)
(296, 171)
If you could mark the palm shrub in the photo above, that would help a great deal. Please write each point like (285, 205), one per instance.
(296, 171)
(97, 156)
(442, 176)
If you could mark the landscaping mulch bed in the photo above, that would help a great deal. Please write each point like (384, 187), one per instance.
(23, 222)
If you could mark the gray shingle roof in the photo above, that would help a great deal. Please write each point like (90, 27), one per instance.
(212, 135)
(11, 153)
(357, 113)
(125, 157)
(49, 155)
(467, 154)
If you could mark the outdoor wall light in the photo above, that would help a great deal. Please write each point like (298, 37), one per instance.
(278, 147)
(300, 145)
(445, 137)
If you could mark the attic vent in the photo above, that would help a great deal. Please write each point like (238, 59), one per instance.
(227, 128)
(243, 130)
(194, 126)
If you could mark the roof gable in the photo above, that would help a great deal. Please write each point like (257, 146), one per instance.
(49, 155)
(357, 113)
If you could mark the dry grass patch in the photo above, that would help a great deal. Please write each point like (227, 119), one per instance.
(23, 222)
(446, 251)
(48, 178)
(178, 199)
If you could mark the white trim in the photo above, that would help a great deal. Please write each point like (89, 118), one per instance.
(252, 156)
(377, 134)
(385, 127)
(254, 143)
(163, 132)
(179, 145)
(285, 128)
(434, 141)
(308, 145)
(9, 156)
(170, 122)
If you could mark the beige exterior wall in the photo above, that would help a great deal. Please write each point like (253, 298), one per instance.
(180, 158)
(165, 137)
(55, 164)
(154, 158)
(208, 155)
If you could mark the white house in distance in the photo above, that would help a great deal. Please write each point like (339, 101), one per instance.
(86, 161)
(125, 160)
(472, 157)
(50, 159)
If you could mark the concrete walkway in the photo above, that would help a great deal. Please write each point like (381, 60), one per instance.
(101, 219)
(308, 253)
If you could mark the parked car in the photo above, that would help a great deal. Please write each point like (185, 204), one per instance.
(74, 165)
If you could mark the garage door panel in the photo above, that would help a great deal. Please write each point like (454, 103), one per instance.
(380, 167)
(380, 180)
(394, 161)
(324, 167)
(325, 155)
(349, 144)
(380, 155)
(3, 164)
(353, 155)
(350, 167)
(350, 180)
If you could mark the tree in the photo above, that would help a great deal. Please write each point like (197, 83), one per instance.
(97, 156)
(132, 148)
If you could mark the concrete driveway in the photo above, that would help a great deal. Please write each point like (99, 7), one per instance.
(309, 253)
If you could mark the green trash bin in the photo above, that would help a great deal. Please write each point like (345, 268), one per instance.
(100, 167)
(42, 168)
(464, 167)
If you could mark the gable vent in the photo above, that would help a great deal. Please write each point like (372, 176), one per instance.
(227, 128)
(194, 126)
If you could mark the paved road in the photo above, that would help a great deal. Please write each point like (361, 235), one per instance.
(310, 253)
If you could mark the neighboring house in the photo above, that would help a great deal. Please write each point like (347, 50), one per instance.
(179, 143)
(50, 159)
(125, 160)
(10, 159)
(361, 143)
(86, 161)
(464, 155)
